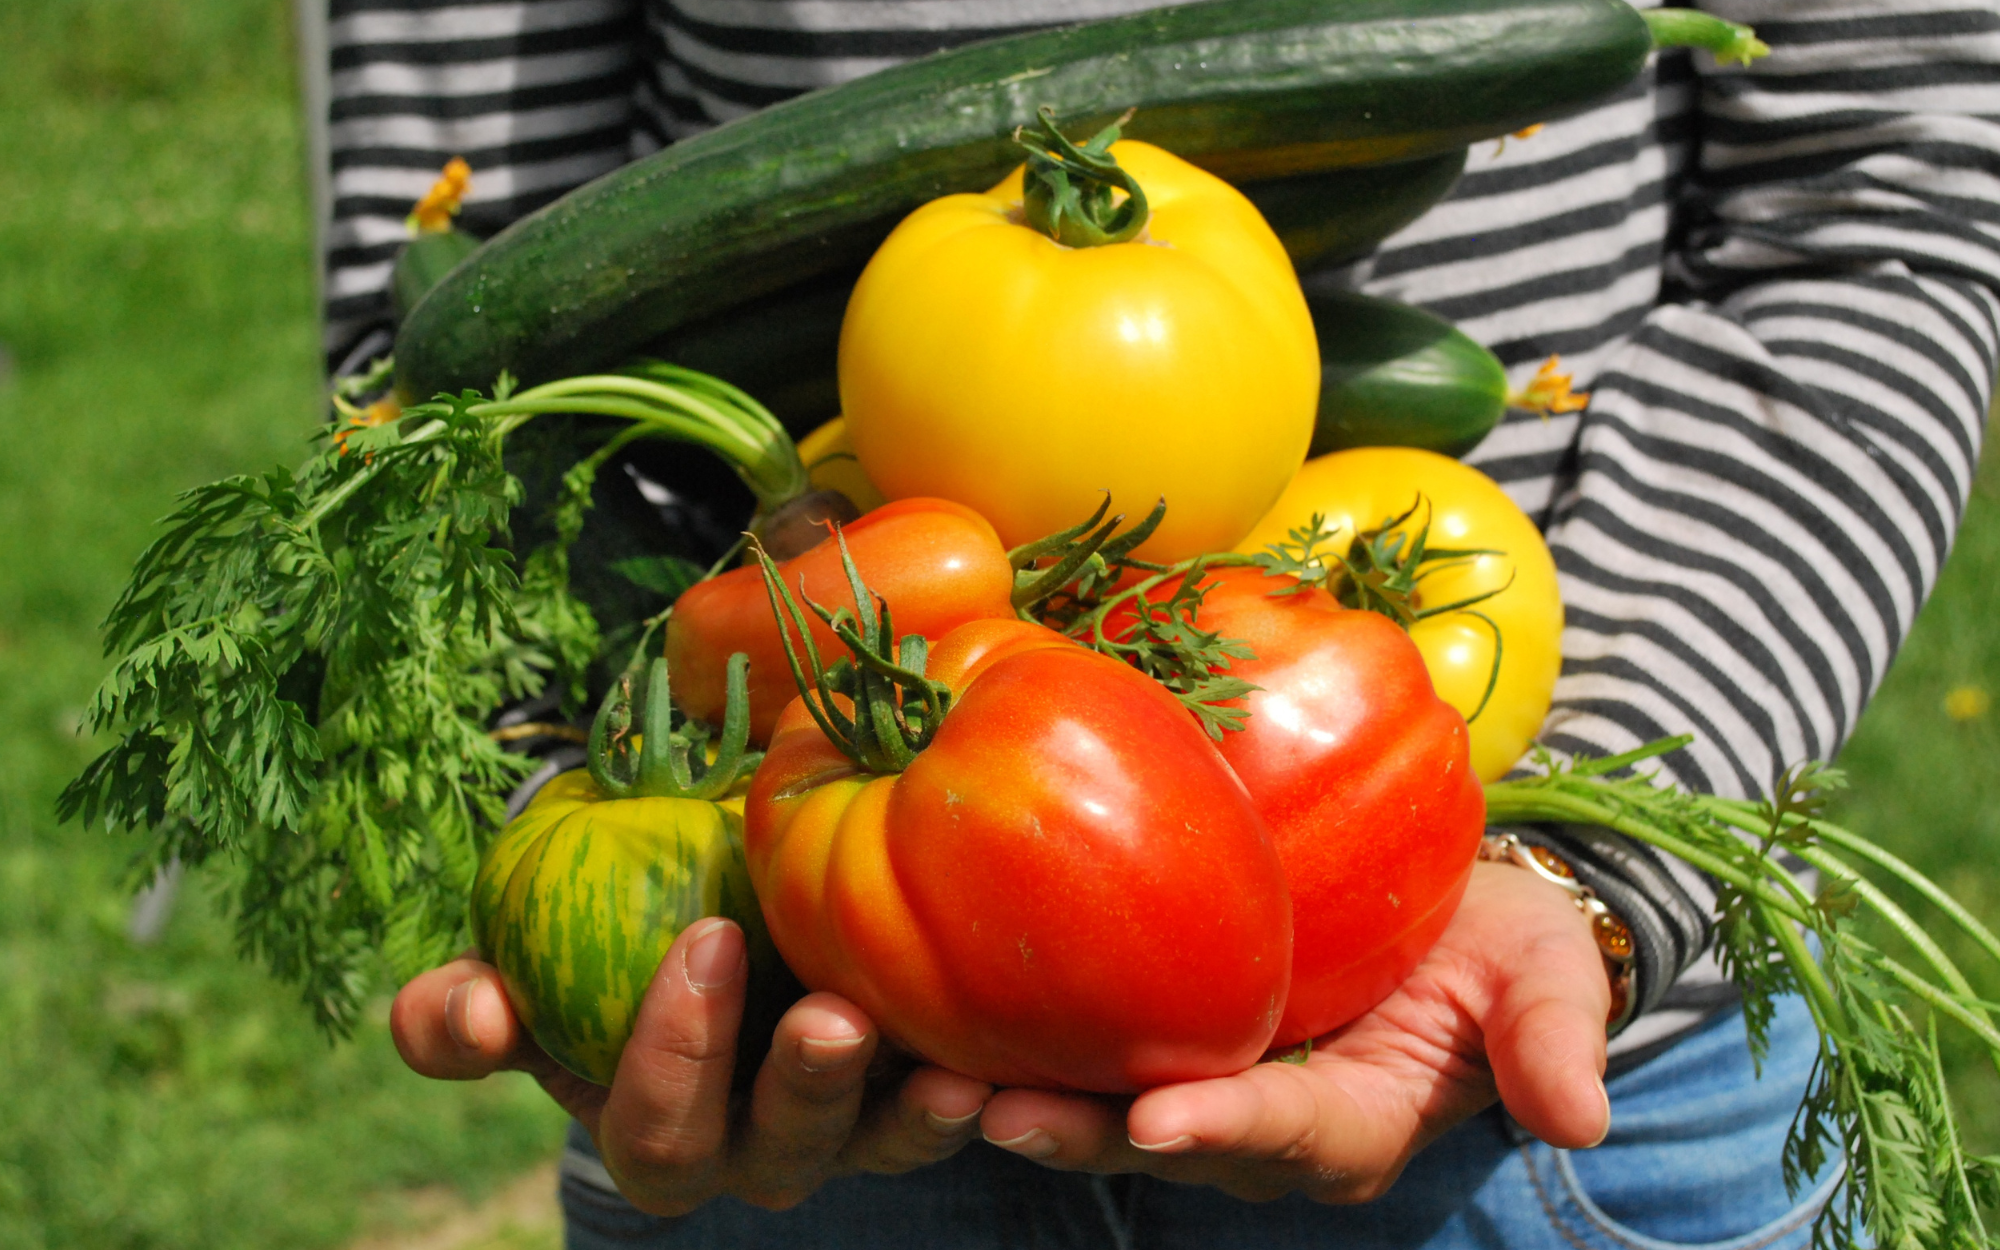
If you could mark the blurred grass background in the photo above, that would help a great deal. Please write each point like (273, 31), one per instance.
(156, 313)
(156, 305)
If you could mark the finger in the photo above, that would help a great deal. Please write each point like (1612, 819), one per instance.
(805, 1101)
(1545, 1040)
(665, 1124)
(584, 1100)
(454, 1023)
(931, 1115)
(1062, 1130)
(1337, 1129)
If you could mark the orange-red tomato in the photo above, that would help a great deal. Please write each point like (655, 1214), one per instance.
(936, 563)
(1363, 775)
(1067, 888)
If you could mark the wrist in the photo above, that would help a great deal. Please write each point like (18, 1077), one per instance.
(1615, 943)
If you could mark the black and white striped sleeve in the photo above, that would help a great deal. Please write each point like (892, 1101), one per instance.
(535, 94)
(1774, 462)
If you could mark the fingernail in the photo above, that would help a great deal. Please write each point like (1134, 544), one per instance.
(1173, 1146)
(714, 958)
(952, 1128)
(1605, 1094)
(824, 1054)
(458, 1014)
(1034, 1144)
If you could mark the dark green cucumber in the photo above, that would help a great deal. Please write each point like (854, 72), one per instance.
(1337, 216)
(1251, 89)
(782, 348)
(1396, 376)
(423, 263)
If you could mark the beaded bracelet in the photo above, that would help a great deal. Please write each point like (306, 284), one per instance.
(1614, 936)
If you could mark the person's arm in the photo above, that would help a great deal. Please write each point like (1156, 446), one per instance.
(1773, 465)
(537, 95)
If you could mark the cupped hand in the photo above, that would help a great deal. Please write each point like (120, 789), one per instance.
(1510, 1004)
(670, 1133)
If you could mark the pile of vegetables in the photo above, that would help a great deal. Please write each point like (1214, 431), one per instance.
(1055, 707)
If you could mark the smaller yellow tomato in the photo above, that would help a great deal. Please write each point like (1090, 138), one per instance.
(983, 362)
(1360, 489)
(832, 465)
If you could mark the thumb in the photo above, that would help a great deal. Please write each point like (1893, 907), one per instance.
(1545, 1038)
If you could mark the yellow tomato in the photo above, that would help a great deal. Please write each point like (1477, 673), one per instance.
(1367, 486)
(983, 362)
(832, 465)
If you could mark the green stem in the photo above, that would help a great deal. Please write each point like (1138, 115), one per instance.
(1955, 1152)
(665, 767)
(1898, 919)
(1812, 977)
(1192, 567)
(1534, 801)
(668, 402)
(879, 679)
(1939, 1000)
(1731, 42)
(660, 771)
(1862, 848)
(1067, 193)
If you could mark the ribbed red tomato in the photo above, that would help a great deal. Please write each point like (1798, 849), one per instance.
(1066, 888)
(936, 563)
(1362, 773)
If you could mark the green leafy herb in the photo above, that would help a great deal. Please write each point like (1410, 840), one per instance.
(308, 661)
(1877, 1094)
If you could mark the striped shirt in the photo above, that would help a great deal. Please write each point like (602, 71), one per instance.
(1778, 284)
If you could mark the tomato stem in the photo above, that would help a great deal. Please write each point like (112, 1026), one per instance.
(1068, 191)
(672, 763)
(896, 709)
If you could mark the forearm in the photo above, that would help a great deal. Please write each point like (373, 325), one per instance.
(1773, 285)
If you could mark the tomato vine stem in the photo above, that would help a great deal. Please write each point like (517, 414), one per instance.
(1068, 191)
(896, 709)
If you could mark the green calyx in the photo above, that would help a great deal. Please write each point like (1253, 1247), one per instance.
(1086, 583)
(896, 710)
(1068, 190)
(1382, 571)
(1732, 42)
(659, 760)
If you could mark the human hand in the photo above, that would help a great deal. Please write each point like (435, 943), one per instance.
(669, 1131)
(1510, 1003)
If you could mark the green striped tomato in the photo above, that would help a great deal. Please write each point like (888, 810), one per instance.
(579, 898)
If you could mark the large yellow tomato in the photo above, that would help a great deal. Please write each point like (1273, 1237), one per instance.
(984, 362)
(1367, 486)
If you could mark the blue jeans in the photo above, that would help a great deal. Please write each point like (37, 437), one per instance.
(1692, 1159)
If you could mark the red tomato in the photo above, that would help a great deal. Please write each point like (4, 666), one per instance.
(1363, 774)
(1068, 888)
(938, 564)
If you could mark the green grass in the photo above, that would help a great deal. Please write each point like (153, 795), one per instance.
(156, 294)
